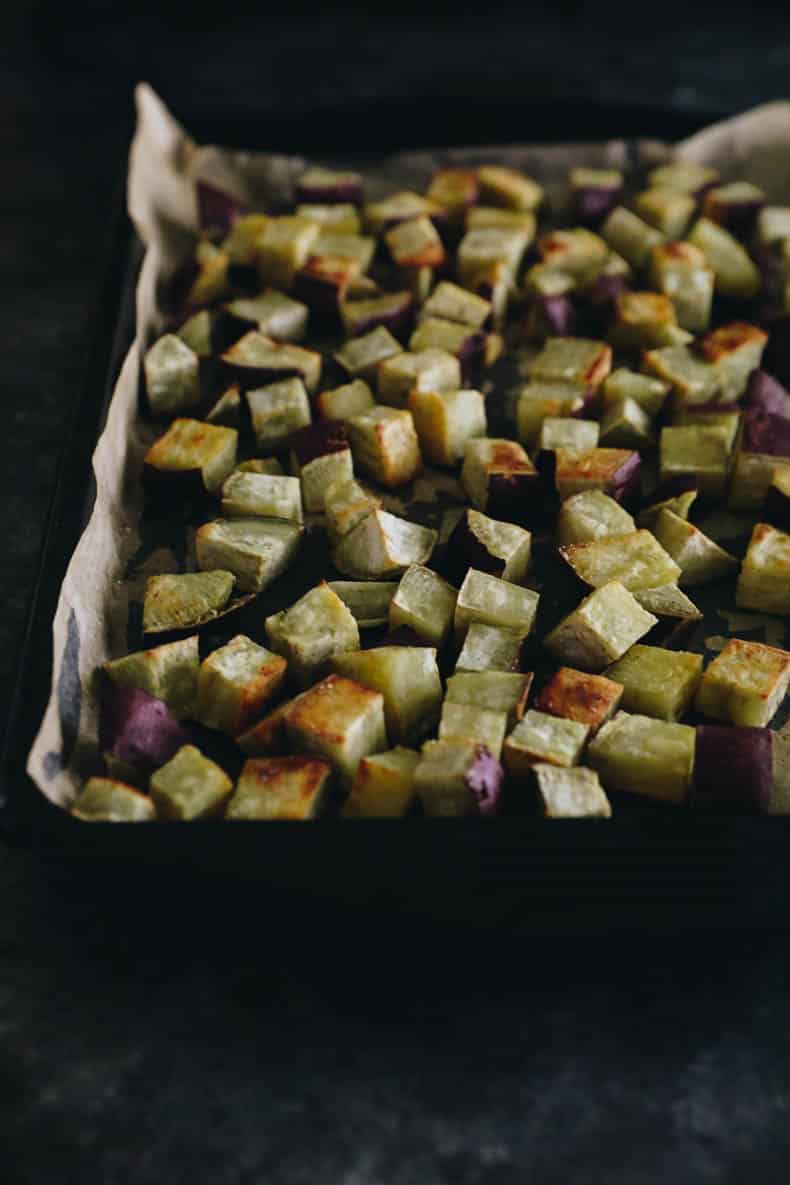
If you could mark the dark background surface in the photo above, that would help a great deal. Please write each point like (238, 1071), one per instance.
(158, 1028)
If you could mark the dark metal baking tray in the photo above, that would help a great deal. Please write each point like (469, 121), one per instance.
(644, 869)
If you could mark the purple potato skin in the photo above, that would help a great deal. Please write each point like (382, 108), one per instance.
(767, 434)
(766, 394)
(625, 485)
(550, 316)
(337, 194)
(601, 300)
(517, 498)
(733, 768)
(322, 294)
(484, 778)
(470, 355)
(138, 729)
(398, 318)
(593, 203)
(777, 508)
(737, 217)
(217, 210)
(319, 439)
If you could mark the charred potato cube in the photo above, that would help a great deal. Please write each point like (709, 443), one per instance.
(192, 453)
(636, 560)
(692, 378)
(429, 370)
(493, 691)
(255, 550)
(368, 601)
(630, 236)
(383, 786)
(643, 321)
(553, 740)
(626, 425)
(500, 479)
(235, 683)
(104, 800)
(172, 376)
(507, 187)
(735, 273)
(458, 777)
(309, 634)
(640, 755)
(624, 384)
(614, 471)
(683, 176)
(341, 403)
(445, 421)
(382, 544)
(490, 648)
(329, 186)
(174, 602)
(700, 559)
(745, 684)
(475, 724)
(455, 190)
(256, 361)
(600, 629)
(414, 247)
(571, 793)
(272, 313)
(491, 601)
(542, 399)
(735, 350)
(425, 603)
(696, 452)
(168, 672)
(667, 210)
(259, 495)
(408, 679)
(340, 720)
(657, 682)
(591, 515)
(362, 356)
(764, 580)
(573, 360)
(283, 247)
(575, 695)
(501, 549)
(564, 433)
(385, 445)
(321, 456)
(277, 411)
(449, 302)
(190, 786)
(281, 788)
(681, 272)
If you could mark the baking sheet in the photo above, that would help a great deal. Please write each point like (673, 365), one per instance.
(109, 564)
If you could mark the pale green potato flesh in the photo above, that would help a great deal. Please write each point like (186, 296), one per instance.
(318, 475)
(309, 633)
(505, 541)
(368, 600)
(752, 477)
(196, 333)
(591, 515)
(445, 421)
(635, 560)
(277, 410)
(572, 360)
(408, 679)
(648, 392)
(384, 445)
(568, 433)
(258, 352)
(764, 580)
(476, 724)
(657, 682)
(172, 376)
(190, 786)
(449, 302)
(600, 629)
(260, 495)
(489, 648)
(427, 370)
(360, 357)
(574, 793)
(700, 559)
(267, 465)
(167, 672)
(693, 379)
(283, 247)
(280, 788)
(485, 245)
(630, 236)
(680, 505)
(548, 399)
(341, 403)
(625, 425)
(735, 273)
(346, 504)
(493, 691)
(424, 602)
(441, 777)
(256, 551)
(189, 599)
(541, 737)
(275, 314)
(687, 282)
(340, 720)
(193, 445)
(491, 601)
(382, 545)
(745, 684)
(667, 210)
(696, 452)
(383, 786)
(639, 755)
(667, 600)
(104, 800)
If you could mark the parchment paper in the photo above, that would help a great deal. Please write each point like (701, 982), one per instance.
(90, 621)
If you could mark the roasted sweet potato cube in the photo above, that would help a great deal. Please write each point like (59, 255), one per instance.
(424, 602)
(180, 601)
(407, 677)
(277, 410)
(614, 471)
(745, 684)
(466, 344)
(272, 313)
(400, 207)
(543, 398)
(777, 500)
(341, 403)
(657, 682)
(591, 515)
(680, 271)
(190, 786)
(683, 176)
(573, 360)
(283, 247)
(281, 788)
(235, 683)
(105, 800)
(172, 376)
(475, 724)
(428, 370)
(595, 192)
(700, 559)
(667, 210)
(735, 350)
(630, 236)
(449, 302)
(600, 629)
(415, 243)
(314, 629)
(256, 360)
(736, 274)
(457, 777)
(539, 737)
(341, 218)
(445, 421)
(491, 601)
(764, 580)
(576, 695)
(494, 691)
(330, 186)
(574, 793)
(643, 320)
(483, 246)
(340, 720)
(501, 186)
(385, 446)
(501, 549)
(490, 648)
(262, 495)
(696, 452)
(455, 190)
(383, 786)
(255, 550)
(500, 479)
(167, 672)
(692, 378)
(321, 456)
(192, 455)
(362, 356)
(383, 545)
(640, 755)
(346, 503)
(575, 252)
(556, 432)
(636, 560)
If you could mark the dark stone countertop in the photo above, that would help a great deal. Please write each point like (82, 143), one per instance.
(171, 1029)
